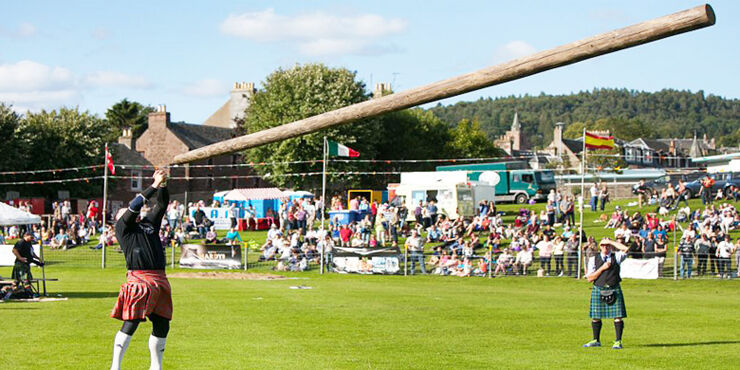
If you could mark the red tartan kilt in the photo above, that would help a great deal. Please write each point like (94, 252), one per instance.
(145, 292)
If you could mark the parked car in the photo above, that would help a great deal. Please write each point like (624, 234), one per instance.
(654, 186)
(722, 182)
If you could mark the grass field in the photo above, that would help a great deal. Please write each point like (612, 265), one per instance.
(353, 321)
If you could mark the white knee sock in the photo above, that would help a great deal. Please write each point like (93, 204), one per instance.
(156, 351)
(120, 344)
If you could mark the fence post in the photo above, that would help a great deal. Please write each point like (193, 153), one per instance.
(490, 258)
(246, 260)
(675, 250)
(405, 261)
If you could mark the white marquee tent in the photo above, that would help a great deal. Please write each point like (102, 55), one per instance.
(10, 215)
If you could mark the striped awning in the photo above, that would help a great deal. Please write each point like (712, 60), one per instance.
(255, 193)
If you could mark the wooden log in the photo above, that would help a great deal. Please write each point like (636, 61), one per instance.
(637, 34)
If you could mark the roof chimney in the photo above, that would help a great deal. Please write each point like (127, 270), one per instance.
(159, 118)
(382, 89)
(126, 138)
(239, 101)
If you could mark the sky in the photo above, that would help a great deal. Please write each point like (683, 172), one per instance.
(187, 55)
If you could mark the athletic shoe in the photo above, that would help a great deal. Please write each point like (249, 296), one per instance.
(617, 345)
(593, 343)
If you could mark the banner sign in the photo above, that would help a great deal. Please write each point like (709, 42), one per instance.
(212, 256)
(367, 260)
(632, 268)
(219, 216)
(7, 258)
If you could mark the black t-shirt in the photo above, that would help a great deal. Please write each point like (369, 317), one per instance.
(140, 241)
(199, 215)
(25, 249)
(649, 245)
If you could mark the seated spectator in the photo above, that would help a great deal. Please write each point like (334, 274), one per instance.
(493, 242)
(503, 263)
(232, 236)
(13, 232)
(465, 268)
(482, 267)
(268, 250)
(180, 236)
(434, 234)
(60, 240)
(523, 261)
(211, 236)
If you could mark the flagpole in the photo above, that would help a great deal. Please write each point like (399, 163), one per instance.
(323, 200)
(583, 201)
(105, 202)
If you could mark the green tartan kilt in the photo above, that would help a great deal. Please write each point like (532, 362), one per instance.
(21, 271)
(601, 310)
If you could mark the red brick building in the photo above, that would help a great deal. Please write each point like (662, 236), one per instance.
(136, 160)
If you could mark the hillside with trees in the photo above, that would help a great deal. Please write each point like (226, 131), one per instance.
(663, 114)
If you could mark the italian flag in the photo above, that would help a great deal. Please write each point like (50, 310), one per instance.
(339, 150)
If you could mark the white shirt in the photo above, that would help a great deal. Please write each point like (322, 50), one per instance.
(618, 256)
(626, 233)
(724, 249)
(594, 191)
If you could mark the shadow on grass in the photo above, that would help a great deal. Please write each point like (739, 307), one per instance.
(690, 344)
(72, 295)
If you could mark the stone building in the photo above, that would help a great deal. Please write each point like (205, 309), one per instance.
(513, 141)
(136, 160)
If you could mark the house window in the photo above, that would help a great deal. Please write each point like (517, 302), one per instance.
(136, 180)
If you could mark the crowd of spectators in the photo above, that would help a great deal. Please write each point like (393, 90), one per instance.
(546, 240)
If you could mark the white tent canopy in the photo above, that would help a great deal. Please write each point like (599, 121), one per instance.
(10, 215)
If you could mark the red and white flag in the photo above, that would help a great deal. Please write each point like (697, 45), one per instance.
(109, 161)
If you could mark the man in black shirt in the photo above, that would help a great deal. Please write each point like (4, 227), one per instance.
(606, 295)
(146, 293)
(24, 256)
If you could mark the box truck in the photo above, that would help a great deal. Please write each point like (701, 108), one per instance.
(513, 181)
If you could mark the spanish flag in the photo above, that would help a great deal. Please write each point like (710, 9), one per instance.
(599, 142)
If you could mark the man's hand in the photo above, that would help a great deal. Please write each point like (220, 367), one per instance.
(160, 178)
(23, 259)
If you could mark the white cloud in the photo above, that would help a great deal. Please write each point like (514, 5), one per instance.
(28, 75)
(513, 50)
(116, 79)
(206, 88)
(316, 33)
(29, 85)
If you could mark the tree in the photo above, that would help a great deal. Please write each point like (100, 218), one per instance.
(468, 141)
(61, 139)
(307, 90)
(9, 122)
(300, 92)
(127, 114)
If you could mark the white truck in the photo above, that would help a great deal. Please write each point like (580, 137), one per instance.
(453, 193)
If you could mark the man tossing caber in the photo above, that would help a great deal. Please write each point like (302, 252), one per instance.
(146, 293)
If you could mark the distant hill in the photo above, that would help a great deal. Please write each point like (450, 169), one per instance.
(667, 113)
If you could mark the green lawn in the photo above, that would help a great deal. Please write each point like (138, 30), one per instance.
(353, 321)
